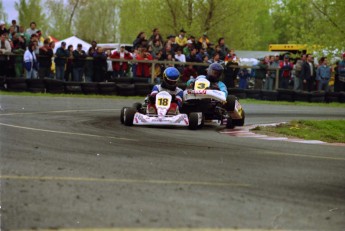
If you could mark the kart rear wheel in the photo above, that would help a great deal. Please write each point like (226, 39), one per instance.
(230, 102)
(193, 121)
(240, 122)
(129, 116)
(229, 123)
(122, 114)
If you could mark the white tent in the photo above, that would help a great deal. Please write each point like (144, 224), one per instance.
(73, 41)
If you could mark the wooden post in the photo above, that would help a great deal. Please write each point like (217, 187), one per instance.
(277, 78)
(153, 73)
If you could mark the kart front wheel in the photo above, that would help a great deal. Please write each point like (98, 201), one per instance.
(229, 123)
(137, 106)
(194, 121)
(122, 114)
(129, 116)
(240, 122)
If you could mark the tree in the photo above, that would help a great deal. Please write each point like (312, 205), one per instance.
(3, 15)
(32, 11)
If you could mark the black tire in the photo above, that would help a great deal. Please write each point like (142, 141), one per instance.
(230, 103)
(129, 116)
(229, 123)
(122, 114)
(193, 121)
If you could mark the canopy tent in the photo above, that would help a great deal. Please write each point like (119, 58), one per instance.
(53, 39)
(73, 41)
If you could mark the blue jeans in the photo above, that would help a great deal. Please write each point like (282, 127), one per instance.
(297, 84)
(78, 74)
(269, 84)
(32, 74)
(323, 84)
(60, 72)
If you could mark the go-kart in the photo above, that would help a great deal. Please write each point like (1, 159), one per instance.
(163, 112)
(213, 105)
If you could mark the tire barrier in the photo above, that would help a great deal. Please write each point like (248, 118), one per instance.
(89, 88)
(124, 89)
(331, 97)
(342, 97)
(302, 96)
(143, 89)
(54, 86)
(36, 85)
(238, 92)
(286, 95)
(2, 83)
(123, 80)
(16, 84)
(253, 94)
(107, 88)
(73, 88)
(269, 95)
(317, 97)
(140, 80)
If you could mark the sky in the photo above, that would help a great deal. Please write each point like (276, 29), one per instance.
(10, 10)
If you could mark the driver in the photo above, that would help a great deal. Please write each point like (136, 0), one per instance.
(214, 72)
(169, 84)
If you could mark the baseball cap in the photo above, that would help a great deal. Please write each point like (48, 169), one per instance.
(189, 41)
(63, 44)
(122, 45)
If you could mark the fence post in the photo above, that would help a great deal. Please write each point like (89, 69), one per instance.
(153, 73)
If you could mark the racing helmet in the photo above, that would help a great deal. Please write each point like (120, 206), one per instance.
(214, 72)
(170, 77)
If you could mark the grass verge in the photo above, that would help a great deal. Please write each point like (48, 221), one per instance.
(243, 101)
(331, 131)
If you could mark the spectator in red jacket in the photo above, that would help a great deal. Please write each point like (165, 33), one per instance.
(120, 68)
(143, 69)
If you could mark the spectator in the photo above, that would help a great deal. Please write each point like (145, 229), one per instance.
(286, 68)
(3, 29)
(171, 43)
(94, 47)
(271, 76)
(30, 62)
(170, 58)
(244, 76)
(69, 64)
(298, 81)
(5, 47)
(143, 69)
(45, 60)
(188, 48)
(203, 42)
(202, 70)
(156, 36)
(260, 74)
(140, 40)
(40, 38)
(120, 68)
(179, 56)
(308, 73)
(230, 72)
(99, 65)
(181, 39)
(79, 57)
(216, 59)
(210, 50)
(34, 38)
(60, 61)
(156, 46)
(15, 26)
(223, 49)
(323, 75)
(188, 72)
(26, 35)
(19, 48)
(89, 65)
(32, 29)
(193, 57)
(341, 75)
(52, 68)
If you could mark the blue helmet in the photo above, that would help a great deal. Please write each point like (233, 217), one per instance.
(214, 72)
(170, 77)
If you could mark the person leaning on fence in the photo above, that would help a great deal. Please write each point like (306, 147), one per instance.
(100, 65)
(5, 47)
(120, 68)
(260, 74)
(341, 74)
(60, 61)
(143, 69)
(308, 73)
(271, 76)
(30, 62)
(19, 48)
(79, 56)
(323, 75)
(298, 81)
(45, 60)
(285, 67)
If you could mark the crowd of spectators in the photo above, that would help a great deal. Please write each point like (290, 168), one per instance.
(34, 58)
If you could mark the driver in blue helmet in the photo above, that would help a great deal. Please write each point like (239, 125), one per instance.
(214, 72)
(169, 84)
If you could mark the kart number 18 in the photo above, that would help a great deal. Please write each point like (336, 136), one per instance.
(163, 101)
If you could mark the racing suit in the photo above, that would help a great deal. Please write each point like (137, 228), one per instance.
(217, 85)
(177, 93)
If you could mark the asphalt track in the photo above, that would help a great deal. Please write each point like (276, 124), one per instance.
(68, 163)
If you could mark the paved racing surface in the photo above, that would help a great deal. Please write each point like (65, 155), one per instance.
(68, 163)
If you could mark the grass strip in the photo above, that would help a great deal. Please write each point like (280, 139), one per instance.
(243, 101)
(331, 131)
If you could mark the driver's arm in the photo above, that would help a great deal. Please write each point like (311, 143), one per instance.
(223, 88)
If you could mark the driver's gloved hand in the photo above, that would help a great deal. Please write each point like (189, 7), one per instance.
(173, 98)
